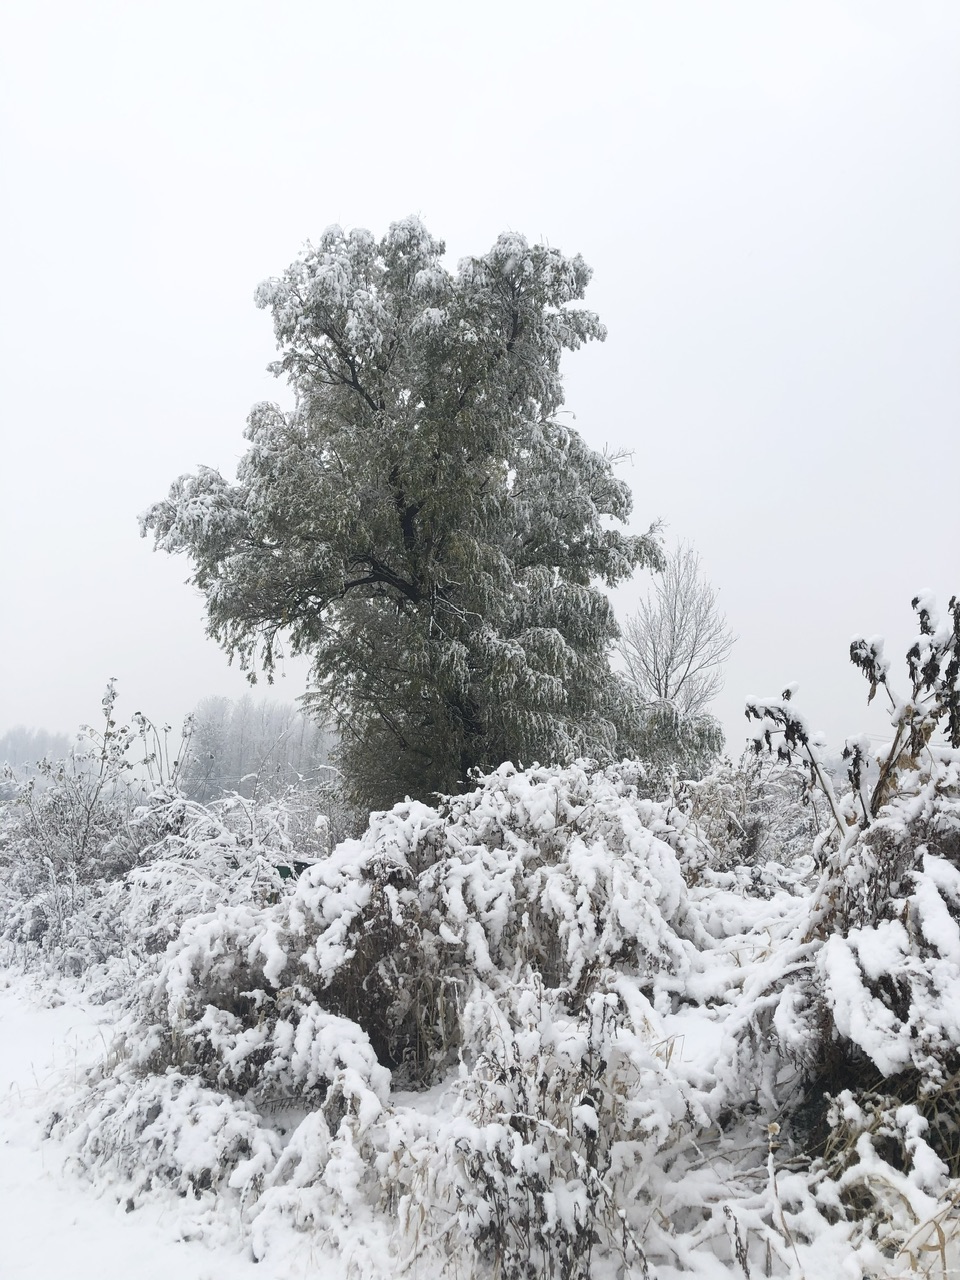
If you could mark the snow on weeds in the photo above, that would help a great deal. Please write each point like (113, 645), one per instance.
(456, 1045)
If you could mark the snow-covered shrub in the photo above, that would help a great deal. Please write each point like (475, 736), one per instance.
(207, 856)
(461, 1034)
(337, 937)
(555, 1131)
(880, 999)
(73, 816)
(878, 1149)
(79, 824)
(188, 859)
(523, 940)
(567, 872)
(168, 1130)
(757, 812)
(103, 858)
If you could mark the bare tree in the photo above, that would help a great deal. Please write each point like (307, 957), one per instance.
(675, 645)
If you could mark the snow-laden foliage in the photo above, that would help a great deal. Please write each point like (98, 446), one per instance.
(553, 1028)
(419, 949)
(758, 812)
(877, 1004)
(171, 1129)
(423, 524)
(74, 824)
(524, 957)
(569, 872)
(230, 850)
(892, 980)
(105, 860)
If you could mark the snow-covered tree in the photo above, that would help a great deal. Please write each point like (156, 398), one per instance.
(673, 649)
(421, 523)
(675, 645)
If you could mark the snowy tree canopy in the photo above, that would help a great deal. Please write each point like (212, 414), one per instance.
(421, 523)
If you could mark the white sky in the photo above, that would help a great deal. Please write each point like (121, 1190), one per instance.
(769, 194)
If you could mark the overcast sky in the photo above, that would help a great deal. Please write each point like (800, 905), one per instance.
(769, 195)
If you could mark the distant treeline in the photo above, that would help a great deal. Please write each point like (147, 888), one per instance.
(21, 747)
(246, 746)
(253, 747)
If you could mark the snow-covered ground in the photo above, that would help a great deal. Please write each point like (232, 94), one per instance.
(55, 1226)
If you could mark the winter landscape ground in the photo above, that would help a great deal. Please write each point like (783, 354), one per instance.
(577, 1021)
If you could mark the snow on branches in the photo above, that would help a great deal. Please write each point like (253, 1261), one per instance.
(421, 524)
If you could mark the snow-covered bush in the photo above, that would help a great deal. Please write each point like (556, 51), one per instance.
(79, 823)
(232, 850)
(518, 955)
(525, 934)
(73, 817)
(171, 1130)
(879, 1001)
(550, 1028)
(556, 1129)
(566, 872)
(756, 812)
(103, 859)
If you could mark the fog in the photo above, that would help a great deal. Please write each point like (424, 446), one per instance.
(769, 196)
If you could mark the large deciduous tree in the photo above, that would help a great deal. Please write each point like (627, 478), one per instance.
(420, 522)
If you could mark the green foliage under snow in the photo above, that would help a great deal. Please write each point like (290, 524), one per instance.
(423, 525)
